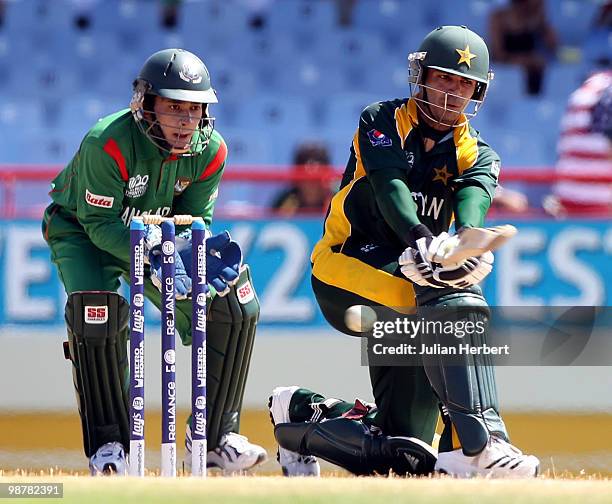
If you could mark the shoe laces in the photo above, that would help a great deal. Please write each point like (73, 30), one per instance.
(504, 446)
(236, 441)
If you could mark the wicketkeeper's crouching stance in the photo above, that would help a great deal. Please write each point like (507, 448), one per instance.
(162, 157)
(415, 165)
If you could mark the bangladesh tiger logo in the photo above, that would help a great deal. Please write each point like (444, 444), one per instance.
(190, 73)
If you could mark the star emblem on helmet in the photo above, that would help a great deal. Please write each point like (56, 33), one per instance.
(442, 175)
(465, 56)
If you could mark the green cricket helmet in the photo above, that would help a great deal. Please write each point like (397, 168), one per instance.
(456, 50)
(178, 75)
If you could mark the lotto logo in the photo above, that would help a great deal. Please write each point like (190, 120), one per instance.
(245, 293)
(96, 314)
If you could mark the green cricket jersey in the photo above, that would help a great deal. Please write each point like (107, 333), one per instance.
(391, 183)
(118, 174)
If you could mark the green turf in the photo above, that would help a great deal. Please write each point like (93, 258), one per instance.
(273, 490)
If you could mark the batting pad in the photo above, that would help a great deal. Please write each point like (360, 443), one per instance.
(466, 386)
(231, 325)
(97, 323)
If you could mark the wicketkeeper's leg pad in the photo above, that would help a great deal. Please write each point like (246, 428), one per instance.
(466, 386)
(353, 445)
(231, 325)
(97, 323)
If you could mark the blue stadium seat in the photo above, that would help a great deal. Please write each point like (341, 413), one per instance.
(508, 83)
(230, 80)
(572, 19)
(309, 78)
(282, 119)
(343, 111)
(472, 13)
(342, 47)
(200, 18)
(561, 80)
(391, 16)
(249, 145)
(52, 145)
(301, 17)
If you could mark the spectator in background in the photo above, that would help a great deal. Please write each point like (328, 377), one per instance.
(585, 143)
(170, 13)
(603, 19)
(2, 12)
(510, 200)
(82, 14)
(345, 9)
(307, 196)
(521, 35)
(258, 13)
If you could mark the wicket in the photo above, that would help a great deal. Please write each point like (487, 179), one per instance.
(168, 361)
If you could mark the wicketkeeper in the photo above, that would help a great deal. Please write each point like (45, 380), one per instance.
(415, 165)
(161, 156)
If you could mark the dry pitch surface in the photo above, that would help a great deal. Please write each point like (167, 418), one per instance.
(343, 490)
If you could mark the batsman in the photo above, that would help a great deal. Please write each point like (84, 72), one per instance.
(415, 165)
(161, 156)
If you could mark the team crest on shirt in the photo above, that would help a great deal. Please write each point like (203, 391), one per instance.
(379, 139)
(182, 183)
(137, 186)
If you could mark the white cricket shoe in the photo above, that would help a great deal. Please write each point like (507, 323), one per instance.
(235, 453)
(292, 463)
(499, 459)
(109, 460)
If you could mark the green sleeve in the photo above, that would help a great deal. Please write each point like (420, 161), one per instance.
(475, 188)
(200, 197)
(100, 191)
(471, 205)
(395, 202)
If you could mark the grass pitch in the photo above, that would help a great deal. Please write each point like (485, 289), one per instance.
(341, 490)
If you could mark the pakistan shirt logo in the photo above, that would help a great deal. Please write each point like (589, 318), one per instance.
(379, 139)
(137, 186)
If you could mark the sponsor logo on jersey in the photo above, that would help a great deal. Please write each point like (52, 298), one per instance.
(379, 139)
(137, 186)
(428, 206)
(245, 293)
(130, 212)
(369, 247)
(96, 314)
(182, 183)
(189, 73)
(98, 201)
(495, 168)
(410, 158)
